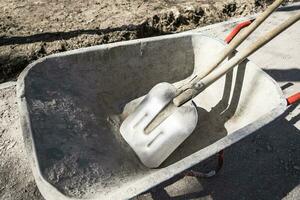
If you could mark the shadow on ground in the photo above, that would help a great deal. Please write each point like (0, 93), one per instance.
(263, 166)
(141, 30)
(292, 74)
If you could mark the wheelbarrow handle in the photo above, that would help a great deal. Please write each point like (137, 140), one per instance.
(293, 99)
(237, 29)
(240, 57)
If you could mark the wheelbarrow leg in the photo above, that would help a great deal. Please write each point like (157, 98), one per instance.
(210, 173)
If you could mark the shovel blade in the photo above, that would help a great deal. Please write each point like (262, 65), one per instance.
(155, 146)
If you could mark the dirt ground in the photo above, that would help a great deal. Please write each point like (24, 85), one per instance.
(16, 180)
(32, 29)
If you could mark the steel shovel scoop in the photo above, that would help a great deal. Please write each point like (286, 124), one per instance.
(153, 146)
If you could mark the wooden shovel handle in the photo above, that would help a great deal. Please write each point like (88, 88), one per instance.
(240, 57)
(236, 41)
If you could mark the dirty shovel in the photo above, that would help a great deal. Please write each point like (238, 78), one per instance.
(166, 116)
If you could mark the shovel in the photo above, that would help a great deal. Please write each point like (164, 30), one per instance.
(166, 116)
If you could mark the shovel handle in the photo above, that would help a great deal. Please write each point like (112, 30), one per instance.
(240, 57)
(236, 41)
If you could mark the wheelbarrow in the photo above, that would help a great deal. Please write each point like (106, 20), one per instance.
(72, 104)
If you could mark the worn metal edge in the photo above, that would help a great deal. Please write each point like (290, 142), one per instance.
(7, 84)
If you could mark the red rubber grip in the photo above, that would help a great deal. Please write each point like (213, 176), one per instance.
(236, 30)
(293, 99)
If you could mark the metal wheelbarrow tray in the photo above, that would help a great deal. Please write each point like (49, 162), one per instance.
(72, 104)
